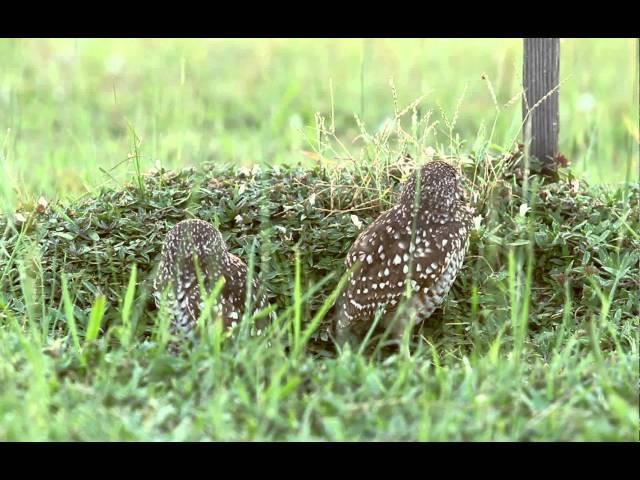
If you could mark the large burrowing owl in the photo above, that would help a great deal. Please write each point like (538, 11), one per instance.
(417, 246)
(195, 242)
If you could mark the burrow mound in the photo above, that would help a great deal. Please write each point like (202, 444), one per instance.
(278, 211)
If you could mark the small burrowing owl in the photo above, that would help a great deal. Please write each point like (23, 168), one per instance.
(195, 242)
(416, 247)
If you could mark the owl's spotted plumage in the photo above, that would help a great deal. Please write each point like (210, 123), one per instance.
(195, 242)
(419, 244)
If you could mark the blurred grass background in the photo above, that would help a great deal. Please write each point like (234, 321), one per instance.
(69, 106)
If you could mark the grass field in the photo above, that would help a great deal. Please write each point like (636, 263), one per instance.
(538, 340)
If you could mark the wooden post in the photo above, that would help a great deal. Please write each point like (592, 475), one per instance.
(540, 107)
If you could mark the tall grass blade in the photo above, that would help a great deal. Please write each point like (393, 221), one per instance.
(95, 319)
(71, 319)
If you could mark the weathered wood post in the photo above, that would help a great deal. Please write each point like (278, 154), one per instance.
(540, 107)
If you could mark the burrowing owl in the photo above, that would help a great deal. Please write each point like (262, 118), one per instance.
(193, 242)
(419, 243)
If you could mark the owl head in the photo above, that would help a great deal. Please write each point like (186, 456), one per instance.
(187, 241)
(440, 186)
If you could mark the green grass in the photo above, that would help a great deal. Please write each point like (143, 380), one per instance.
(538, 340)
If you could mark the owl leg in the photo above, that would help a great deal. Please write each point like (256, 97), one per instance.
(177, 340)
(343, 332)
(260, 325)
(174, 347)
(394, 326)
(397, 322)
